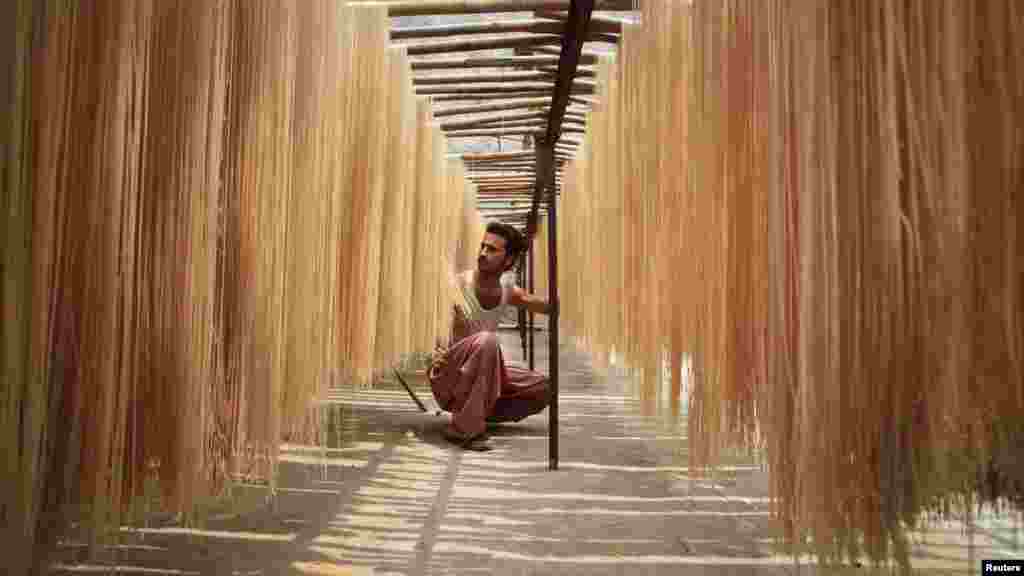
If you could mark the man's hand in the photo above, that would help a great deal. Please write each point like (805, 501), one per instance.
(532, 302)
(460, 324)
(439, 357)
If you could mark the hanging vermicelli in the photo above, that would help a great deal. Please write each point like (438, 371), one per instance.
(393, 312)
(845, 267)
(368, 153)
(24, 398)
(317, 202)
(406, 253)
(84, 156)
(182, 252)
(260, 182)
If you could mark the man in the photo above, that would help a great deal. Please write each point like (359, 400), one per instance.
(469, 377)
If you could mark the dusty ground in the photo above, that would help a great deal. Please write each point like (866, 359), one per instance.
(390, 496)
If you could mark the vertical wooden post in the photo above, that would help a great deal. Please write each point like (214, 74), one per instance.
(553, 327)
(545, 187)
(528, 281)
(521, 317)
(580, 12)
(529, 324)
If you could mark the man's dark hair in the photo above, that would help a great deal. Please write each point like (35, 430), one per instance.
(514, 241)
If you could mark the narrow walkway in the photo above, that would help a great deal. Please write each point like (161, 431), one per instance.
(390, 496)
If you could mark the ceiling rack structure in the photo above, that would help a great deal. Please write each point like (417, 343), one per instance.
(519, 77)
(528, 78)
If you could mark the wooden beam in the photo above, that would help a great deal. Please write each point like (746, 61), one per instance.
(525, 202)
(498, 155)
(535, 26)
(524, 190)
(476, 176)
(546, 49)
(522, 182)
(487, 169)
(495, 107)
(492, 119)
(482, 133)
(490, 62)
(537, 124)
(496, 121)
(498, 169)
(431, 7)
(580, 73)
(513, 195)
(529, 80)
(524, 179)
(539, 119)
(512, 27)
(603, 38)
(487, 96)
(582, 101)
(599, 24)
(473, 78)
(572, 46)
(522, 176)
(517, 196)
(486, 132)
(471, 45)
(503, 177)
(497, 89)
(495, 166)
(507, 161)
(513, 155)
(533, 104)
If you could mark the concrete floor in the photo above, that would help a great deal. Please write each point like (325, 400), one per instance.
(390, 496)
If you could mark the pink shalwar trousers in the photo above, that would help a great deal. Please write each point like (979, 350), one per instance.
(474, 384)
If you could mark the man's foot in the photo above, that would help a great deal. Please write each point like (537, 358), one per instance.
(476, 443)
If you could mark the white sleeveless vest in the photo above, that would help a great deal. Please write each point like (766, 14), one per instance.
(484, 319)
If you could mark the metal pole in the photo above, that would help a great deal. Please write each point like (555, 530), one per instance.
(521, 316)
(553, 333)
(529, 323)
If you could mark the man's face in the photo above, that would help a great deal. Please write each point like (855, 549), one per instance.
(492, 254)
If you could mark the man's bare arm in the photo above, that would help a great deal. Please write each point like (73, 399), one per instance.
(532, 302)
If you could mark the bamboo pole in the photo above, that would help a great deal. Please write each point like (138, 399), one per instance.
(528, 26)
(538, 124)
(478, 44)
(601, 24)
(498, 89)
(493, 62)
(431, 7)
(580, 72)
(474, 78)
(530, 109)
(544, 49)
(492, 119)
(486, 95)
(490, 133)
(528, 103)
